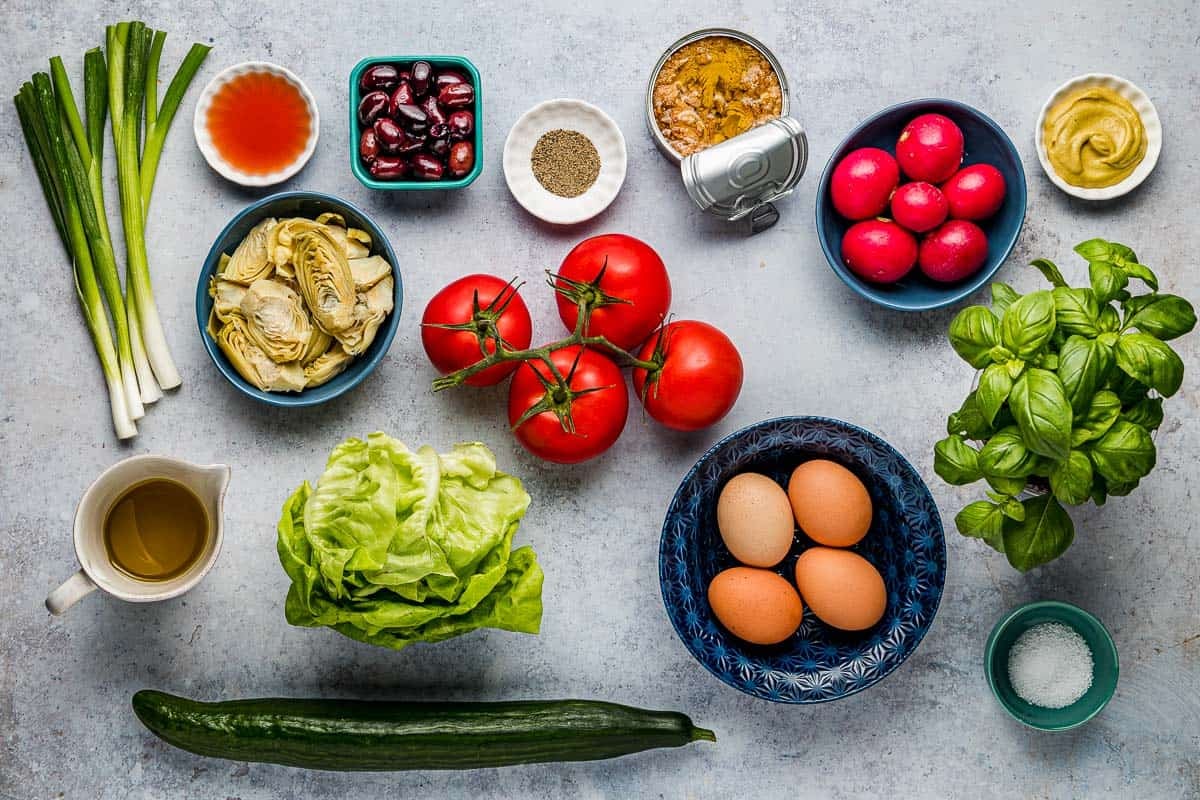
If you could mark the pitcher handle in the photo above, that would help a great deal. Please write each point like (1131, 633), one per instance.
(74, 589)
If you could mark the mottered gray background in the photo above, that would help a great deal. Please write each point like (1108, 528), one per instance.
(810, 346)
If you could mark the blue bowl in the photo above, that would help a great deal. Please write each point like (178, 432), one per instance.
(298, 204)
(817, 663)
(986, 143)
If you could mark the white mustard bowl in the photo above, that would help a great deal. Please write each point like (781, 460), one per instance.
(1150, 121)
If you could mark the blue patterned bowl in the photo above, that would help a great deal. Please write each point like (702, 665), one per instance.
(817, 663)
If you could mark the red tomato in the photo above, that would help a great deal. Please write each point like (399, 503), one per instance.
(499, 304)
(598, 406)
(879, 250)
(930, 148)
(862, 182)
(954, 251)
(700, 379)
(633, 272)
(975, 192)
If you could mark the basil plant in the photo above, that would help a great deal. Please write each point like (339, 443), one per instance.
(1070, 389)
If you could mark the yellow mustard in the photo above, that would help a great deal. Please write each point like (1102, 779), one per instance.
(1094, 138)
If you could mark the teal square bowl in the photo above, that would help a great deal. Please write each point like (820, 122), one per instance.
(1105, 667)
(451, 62)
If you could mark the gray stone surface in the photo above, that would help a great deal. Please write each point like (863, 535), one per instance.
(810, 346)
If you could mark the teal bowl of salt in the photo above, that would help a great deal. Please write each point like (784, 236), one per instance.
(1051, 665)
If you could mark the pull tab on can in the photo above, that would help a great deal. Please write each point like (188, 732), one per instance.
(742, 176)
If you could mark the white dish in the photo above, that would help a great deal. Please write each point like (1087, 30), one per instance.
(574, 115)
(208, 148)
(1140, 102)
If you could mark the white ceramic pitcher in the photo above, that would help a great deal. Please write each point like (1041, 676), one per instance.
(208, 483)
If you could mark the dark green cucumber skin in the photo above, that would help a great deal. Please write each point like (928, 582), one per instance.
(354, 735)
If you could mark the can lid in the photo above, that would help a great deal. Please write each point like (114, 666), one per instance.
(734, 178)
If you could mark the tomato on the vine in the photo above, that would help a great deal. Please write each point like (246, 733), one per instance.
(625, 272)
(700, 377)
(572, 424)
(471, 310)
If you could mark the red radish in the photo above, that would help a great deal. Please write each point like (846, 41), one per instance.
(930, 148)
(879, 250)
(953, 251)
(975, 192)
(862, 182)
(919, 206)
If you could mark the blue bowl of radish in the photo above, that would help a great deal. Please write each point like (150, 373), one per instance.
(921, 204)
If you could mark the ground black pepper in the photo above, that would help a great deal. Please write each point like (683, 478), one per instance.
(565, 162)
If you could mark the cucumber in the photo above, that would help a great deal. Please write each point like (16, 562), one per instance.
(359, 735)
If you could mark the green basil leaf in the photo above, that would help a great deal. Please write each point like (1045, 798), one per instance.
(1083, 366)
(1122, 489)
(1005, 455)
(1015, 367)
(1099, 417)
(1124, 454)
(982, 520)
(994, 386)
(1044, 535)
(1008, 486)
(1071, 479)
(1110, 320)
(1164, 316)
(1095, 250)
(1130, 391)
(1028, 324)
(1003, 296)
(1099, 489)
(1048, 361)
(1042, 412)
(973, 333)
(1014, 509)
(1049, 270)
(1121, 255)
(955, 461)
(1077, 311)
(1107, 280)
(1147, 412)
(1154, 363)
(1142, 273)
(968, 420)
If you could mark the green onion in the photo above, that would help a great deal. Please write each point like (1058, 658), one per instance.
(42, 125)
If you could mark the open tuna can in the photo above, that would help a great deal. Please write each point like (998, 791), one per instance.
(717, 104)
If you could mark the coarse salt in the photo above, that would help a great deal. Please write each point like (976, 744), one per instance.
(1050, 665)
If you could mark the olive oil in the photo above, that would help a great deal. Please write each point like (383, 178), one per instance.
(156, 530)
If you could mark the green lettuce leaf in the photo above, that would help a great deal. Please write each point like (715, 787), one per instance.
(393, 546)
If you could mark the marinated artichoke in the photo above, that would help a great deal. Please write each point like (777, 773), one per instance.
(297, 300)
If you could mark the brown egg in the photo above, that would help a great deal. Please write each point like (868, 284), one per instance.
(841, 587)
(830, 503)
(755, 519)
(755, 605)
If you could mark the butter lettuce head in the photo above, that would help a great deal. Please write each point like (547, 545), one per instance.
(394, 546)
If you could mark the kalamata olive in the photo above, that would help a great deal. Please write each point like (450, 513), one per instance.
(456, 95)
(368, 145)
(413, 143)
(379, 76)
(407, 114)
(439, 147)
(439, 130)
(449, 76)
(462, 124)
(391, 137)
(402, 96)
(387, 168)
(371, 106)
(405, 75)
(421, 73)
(432, 110)
(462, 158)
(426, 167)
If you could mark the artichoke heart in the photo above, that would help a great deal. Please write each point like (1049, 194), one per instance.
(325, 280)
(282, 241)
(250, 261)
(253, 364)
(227, 297)
(276, 320)
(370, 309)
(327, 366)
(369, 271)
(318, 343)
